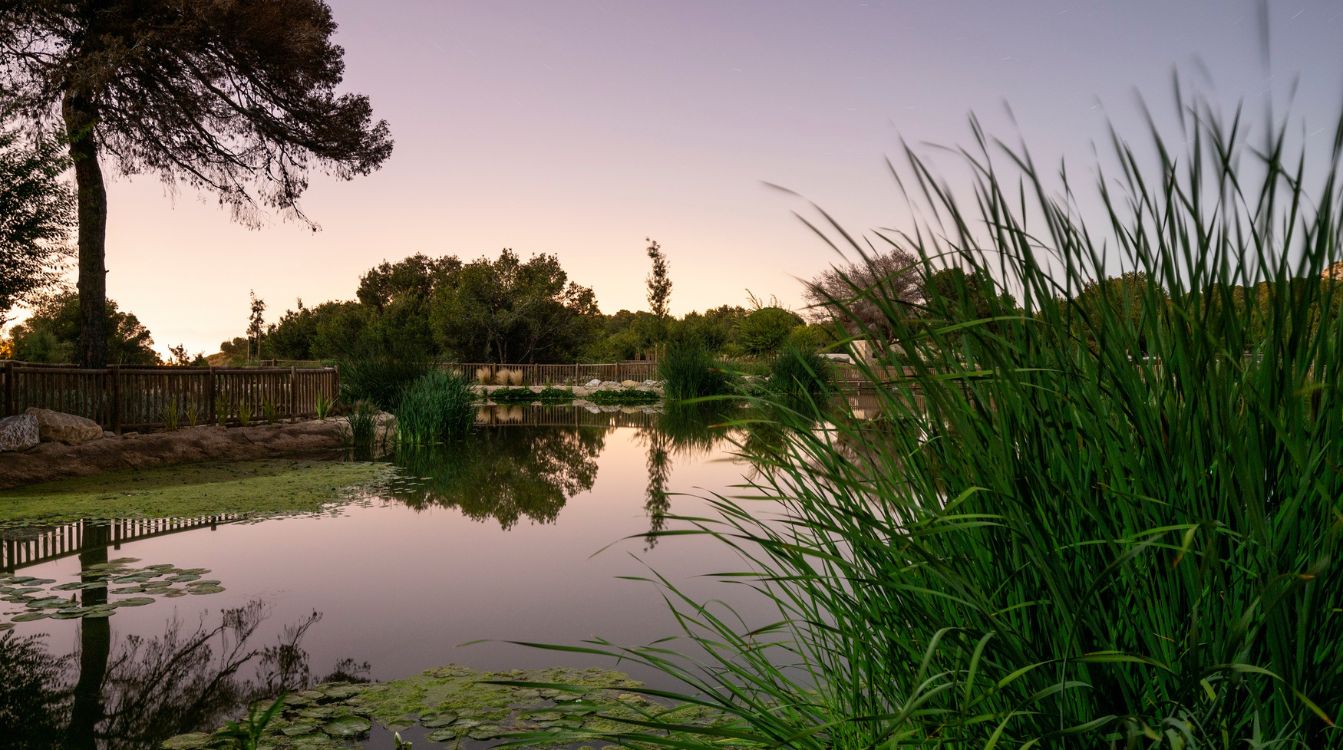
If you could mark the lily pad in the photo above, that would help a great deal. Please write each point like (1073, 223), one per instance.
(193, 741)
(134, 601)
(29, 616)
(347, 726)
(204, 589)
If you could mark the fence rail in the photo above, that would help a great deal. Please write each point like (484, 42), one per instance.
(575, 374)
(120, 398)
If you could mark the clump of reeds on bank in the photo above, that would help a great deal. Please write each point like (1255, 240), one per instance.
(437, 407)
(688, 370)
(1109, 518)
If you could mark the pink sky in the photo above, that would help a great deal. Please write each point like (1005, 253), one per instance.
(581, 127)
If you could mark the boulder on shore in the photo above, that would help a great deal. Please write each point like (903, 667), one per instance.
(19, 433)
(59, 427)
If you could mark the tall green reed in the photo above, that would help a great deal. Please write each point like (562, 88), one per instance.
(438, 406)
(688, 370)
(1109, 518)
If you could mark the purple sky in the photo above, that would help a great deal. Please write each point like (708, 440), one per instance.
(580, 128)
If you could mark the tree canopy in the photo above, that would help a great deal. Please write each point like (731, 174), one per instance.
(36, 215)
(858, 296)
(52, 333)
(237, 98)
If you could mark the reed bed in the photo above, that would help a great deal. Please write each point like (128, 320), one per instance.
(1110, 517)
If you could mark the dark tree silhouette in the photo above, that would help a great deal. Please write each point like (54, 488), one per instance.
(236, 97)
(36, 214)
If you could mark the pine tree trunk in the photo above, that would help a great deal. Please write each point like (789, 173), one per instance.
(80, 118)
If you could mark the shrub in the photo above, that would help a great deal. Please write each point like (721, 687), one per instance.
(1111, 525)
(689, 371)
(439, 406)
(800, 378)
(623, 397)
(505, 376)
(552, 395)
(483, 375)
(380, 380)
(512, 395)
(765, 330)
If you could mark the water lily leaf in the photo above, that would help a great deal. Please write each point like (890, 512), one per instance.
(293, 730)
(71, 586)
(347, 726)
(134, 601)
(437, 720)
(175, 593)
(193, 741)
(182, 578)
(443, 735)
(29, 616)
(204, 589)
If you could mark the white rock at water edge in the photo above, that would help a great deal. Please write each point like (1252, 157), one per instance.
(18, 433)
(594, 383)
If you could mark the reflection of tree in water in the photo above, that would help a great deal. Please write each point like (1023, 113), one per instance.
(33, 696)
(152, 688)
(685, 430)
(505, 473)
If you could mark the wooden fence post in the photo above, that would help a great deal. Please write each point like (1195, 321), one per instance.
(9, 390)
(114, 374)
(293, 393)
(210, 398)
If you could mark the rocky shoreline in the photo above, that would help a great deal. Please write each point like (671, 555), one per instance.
(50, 460)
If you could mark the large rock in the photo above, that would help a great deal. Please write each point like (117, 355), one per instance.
(629, 384)
(59, 427)
(18, 433)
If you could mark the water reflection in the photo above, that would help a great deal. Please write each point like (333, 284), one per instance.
(685, 430)
(186, 679)
(504, 474)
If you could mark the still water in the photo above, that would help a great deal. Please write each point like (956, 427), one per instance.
(518, 535)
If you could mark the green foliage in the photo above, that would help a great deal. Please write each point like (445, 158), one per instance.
(52, 334)
(509, 310)
(323, 405)
(763, 331)
(689, 371)
(800, 378)
(172, 418)
(245, 412)
(551, 395)
(221, 409)
(193, 413)
(379, 380)
(513, 396)
(1048, 541)
(248, 734)
(659, 284)
(36, 214)
(437, 407)
(361, 426)
(623, 397)
(269, 411)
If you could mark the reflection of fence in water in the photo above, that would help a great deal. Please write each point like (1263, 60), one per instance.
(561, 416)
(23, 547)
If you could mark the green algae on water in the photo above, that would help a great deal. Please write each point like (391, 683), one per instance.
(250, 488)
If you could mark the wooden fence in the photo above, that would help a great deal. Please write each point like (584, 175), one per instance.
(576, 374)
(135, 398)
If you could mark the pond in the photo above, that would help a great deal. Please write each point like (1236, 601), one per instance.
(519, 534)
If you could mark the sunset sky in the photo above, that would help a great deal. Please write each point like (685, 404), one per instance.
(580, 128)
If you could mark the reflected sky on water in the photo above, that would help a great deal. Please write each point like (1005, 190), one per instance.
(519, 534)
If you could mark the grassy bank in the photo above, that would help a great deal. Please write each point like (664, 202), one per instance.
(262, 488)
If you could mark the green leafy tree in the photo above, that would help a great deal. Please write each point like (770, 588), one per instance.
(236, 98)
(508, 310)
(36, 216)
(659, 291)
(763, 331)
(52, 334)
(868, 298)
